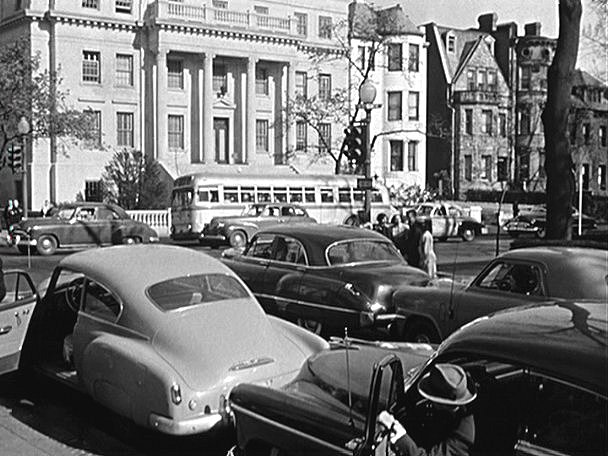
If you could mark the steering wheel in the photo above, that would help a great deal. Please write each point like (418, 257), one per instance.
(73, 293)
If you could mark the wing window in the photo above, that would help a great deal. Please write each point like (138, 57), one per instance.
(288, 250)
(516, 278)
(100, 302)
(261, 247)
(288, 211)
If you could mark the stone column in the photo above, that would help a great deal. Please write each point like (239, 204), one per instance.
(161, 144)
(290, 123)
(208, 96)
(250, 116)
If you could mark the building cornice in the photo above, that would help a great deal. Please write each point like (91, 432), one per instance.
(91, 21)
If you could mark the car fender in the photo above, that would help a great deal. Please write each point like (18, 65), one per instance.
(431, 305)
(307, 342)
(249, 228)
(127, 376)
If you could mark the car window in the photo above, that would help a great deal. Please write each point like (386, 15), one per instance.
(103, 213)
(425, 210)
(288, 250)
(100, 302)
(261, 246)
(270, 211)
(441, 211)
(454, 211)
(287, 211)
(86, 214)
(65, 213)
(194, 290)
(516, 278)
(17, 286)
(566, 419)
(299, 212)
(254, 210)
(361, 251)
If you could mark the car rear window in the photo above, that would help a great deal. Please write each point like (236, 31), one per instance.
(195, 290)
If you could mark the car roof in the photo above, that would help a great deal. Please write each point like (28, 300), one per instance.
(316, 237)
(566, 340)
(554, 253)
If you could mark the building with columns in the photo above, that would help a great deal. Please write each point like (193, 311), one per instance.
(198, 85)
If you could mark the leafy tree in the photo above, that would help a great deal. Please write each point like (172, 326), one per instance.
(133, 181)
(558, 158)
(594, 39)
(27, 90)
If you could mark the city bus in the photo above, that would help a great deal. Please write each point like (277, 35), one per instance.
(335, 199)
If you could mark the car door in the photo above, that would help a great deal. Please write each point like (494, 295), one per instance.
(16, 309)
(106, 223)
(252, 264)
(83, 229)
(439, 221)
(283, 276)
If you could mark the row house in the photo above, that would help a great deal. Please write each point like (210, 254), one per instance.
(198, 85)
(468, 141)
(398, 70)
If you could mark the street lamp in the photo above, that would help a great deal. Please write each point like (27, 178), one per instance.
(367, 95)
(23, 127)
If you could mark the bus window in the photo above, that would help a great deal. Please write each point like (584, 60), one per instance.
(309, 194)
(280, 194)
(327, 195)
(182, 197)
(231, 194)
(344, 195)
(208, 195)
(247, 194)
(295, 195)
(263, 194)
(376, 196)
(358, 195)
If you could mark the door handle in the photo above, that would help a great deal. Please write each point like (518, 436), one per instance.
(5, 330)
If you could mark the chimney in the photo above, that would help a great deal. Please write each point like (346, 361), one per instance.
(532, 29)
(487, 22)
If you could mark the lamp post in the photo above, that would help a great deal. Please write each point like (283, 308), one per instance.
(367, 95)
(23, 127)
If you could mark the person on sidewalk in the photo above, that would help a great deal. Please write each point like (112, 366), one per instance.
(411, 245)
(428, 259)
(449, 390)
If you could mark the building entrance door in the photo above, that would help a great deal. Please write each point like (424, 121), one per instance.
(220, 129)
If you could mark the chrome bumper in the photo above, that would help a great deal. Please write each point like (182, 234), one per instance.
(196, 425)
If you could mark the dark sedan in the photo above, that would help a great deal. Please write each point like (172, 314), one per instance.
(80, 225)
(541, 374)
(535, 223)
(325, 277)
(524, 275)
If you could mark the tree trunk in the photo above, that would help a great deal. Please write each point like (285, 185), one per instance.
(558, 160)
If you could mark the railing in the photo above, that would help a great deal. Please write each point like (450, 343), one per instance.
(475, 96)
(220, 16)
(158, 219)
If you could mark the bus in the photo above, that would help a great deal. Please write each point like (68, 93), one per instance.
(335, 199)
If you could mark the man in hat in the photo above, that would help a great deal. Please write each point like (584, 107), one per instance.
(449, 389)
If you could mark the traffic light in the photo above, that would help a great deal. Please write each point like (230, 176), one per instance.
(356, 145)
(15, 158)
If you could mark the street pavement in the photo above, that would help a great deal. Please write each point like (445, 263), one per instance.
(39, 417)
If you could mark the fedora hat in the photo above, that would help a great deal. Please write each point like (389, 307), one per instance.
(447, 384)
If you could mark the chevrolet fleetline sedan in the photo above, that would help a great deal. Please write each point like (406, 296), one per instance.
(158, 334)
(326, 277)
(540, 373)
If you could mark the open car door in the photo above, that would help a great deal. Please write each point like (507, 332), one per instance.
(15, 312)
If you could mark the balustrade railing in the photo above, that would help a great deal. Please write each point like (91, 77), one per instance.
(158, 219)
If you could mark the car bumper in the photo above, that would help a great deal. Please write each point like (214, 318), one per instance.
(193, 426)
(22, 239)
(521, 229)
(484, 230)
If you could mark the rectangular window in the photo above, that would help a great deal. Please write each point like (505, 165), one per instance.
(487, 167)
(413, 105)
(95, 128)
(301, 135)
(325, 27)
(526, 76)
(220, 79)
(301, 24)
(502, 170)
(90, 4)
(176, 132)
(413, 63)
(395, 57)
(260, 9)
(481, 79)
(486, 124)
(524, 165)
(541, 162)
(525, 126)
(451, 43)
(468, 123)
(93, 191)
(492, 81)
(261, 81)
(301, 83)
(396, 155)
(324, 137)
(412, 156)
(361, 50)
(471, 79)
(573, 133)
(602, 136)
(324, 86)
(586, 176)
(123, 6)
(586, 133)
(502, 118)
(124, 70)
(175, 74)
(90, 67)
(601, 177)
(395, 106)
(124, 129)
(261, 136)
(220, 4)
(468, 167)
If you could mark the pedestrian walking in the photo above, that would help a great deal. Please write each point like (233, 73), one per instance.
(17, 212)
(411, 246)
(428, 259)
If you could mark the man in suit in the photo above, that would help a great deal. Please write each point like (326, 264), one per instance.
(411, 244)
(450, 390)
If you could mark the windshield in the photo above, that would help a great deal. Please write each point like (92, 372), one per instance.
(362, 251)
(195, 290)
(182, 197)
(64, 213)
(254, 210)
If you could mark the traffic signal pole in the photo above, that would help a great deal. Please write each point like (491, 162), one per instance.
(367, 164)
(24, 183)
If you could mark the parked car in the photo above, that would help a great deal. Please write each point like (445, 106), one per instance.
(524, 275)
(158, 334)
(449, 220)
(237, 230)
(325, 277)
(80, 225)
(535, 222)
(540, 371)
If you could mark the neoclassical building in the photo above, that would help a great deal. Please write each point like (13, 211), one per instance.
(196, 84)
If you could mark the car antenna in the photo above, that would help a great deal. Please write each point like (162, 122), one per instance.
(350, 396)
(450, 308)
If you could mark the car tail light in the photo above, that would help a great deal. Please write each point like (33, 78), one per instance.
(176, 394)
